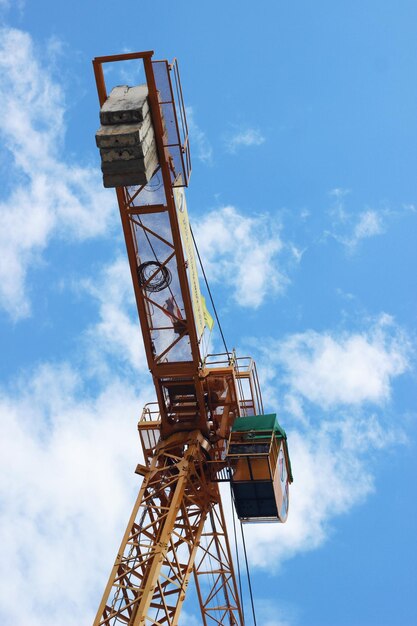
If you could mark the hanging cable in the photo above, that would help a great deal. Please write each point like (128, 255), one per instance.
(209, 292)
(248, 574)
(237, 553)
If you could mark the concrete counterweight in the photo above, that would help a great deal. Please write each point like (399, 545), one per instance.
(126, 138)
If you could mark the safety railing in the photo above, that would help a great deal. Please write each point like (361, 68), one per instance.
(149, 427)
(248, 388)
(168, 84)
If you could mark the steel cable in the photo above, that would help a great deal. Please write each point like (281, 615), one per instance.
(248, 574)
(209, 292)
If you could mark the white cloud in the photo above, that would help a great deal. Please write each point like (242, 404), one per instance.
(67, 458)
(66, 465)
(245, 137)
(47, 196)
(331, 370)
(198, 138)
(117, 333)
(332, 439)
(369, 224)
(241, 252)
(349, 228)
(67, 487)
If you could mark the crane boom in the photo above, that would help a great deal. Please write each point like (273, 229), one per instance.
(177, 527)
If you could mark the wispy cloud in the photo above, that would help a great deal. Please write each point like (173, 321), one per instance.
(369, 224)
(7, 4)
(275, 613)
(51, 197)
(242, 253)
(338, 210)
(200, 145)
(350, 228)
(244, 138)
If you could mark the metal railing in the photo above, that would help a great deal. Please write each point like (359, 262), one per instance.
(249, 392)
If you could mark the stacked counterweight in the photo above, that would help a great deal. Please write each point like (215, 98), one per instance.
(126, 138)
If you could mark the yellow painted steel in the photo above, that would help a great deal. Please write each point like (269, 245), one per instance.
(161, 546)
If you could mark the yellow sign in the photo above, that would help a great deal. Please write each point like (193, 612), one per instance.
(201, 315)
(207, 317)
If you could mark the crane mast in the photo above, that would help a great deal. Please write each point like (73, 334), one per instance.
(177, 528)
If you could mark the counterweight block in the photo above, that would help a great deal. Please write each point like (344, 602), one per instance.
(126, 138)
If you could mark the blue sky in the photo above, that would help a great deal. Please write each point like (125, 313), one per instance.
(303, 200)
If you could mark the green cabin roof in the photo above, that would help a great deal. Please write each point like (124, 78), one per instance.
(259, 422)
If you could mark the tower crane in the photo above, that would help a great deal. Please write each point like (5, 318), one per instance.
(208, 425)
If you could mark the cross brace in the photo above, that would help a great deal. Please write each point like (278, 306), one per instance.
(177, 528)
